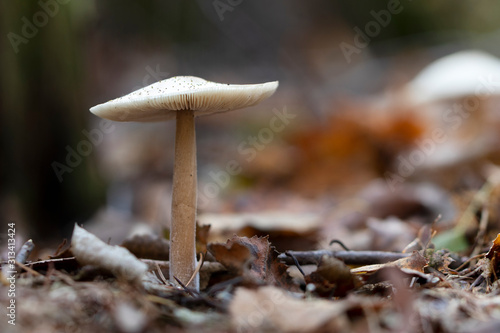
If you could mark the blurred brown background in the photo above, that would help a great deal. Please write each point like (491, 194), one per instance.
(58, 58)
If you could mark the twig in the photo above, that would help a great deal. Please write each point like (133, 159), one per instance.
(479, 199)
(45, 262)
(477, 282)
(470, 274)
(36, 265)
(288, 254)
(459, 268)
(348, 257)
(186, 289)
(28, 269)
(336, 241)
(60, 247)
(483, 224)
(160, 273)
(197, 269)
(440, 276)
(165, 265)
(223, 285)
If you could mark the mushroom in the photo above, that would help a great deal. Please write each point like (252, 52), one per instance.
(458, 75)
(183, 98)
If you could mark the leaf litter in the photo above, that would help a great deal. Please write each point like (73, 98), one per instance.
(422, 258)
(251, 290)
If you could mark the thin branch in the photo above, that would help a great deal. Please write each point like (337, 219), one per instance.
(197, 269)
(483, 225)
(296, 263)
(336, 241)
(348, 257)
(160, 273)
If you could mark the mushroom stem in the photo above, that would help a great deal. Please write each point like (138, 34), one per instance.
(183, 224)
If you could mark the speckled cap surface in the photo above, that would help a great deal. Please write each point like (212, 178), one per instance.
(161, 100)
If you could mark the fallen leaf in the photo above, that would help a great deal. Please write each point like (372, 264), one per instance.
(270, 309)
(354, 141)
(90, 250)
(440, 260)
(415, 262)
(271, 220)
(332, 278)
(148, 247)
(286, 230)
(254, 258)
(234, 256)
(202, 237)
(494, 250)
(494, 254)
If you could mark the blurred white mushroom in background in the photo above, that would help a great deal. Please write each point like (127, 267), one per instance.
(461, 74)
(459, 95)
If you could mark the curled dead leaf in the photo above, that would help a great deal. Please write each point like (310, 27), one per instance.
(332, 278)
(494, 255)
(253, 258)
(415, 262)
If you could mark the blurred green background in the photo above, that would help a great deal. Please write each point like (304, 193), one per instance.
(58, 58)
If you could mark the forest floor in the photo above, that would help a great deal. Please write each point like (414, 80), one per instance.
(420, 258)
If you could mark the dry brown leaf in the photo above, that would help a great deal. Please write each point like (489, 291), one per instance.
(355, 140)
(415, 262)
(234, 256)
(90, 250)
(412, 266)
(202, 237)
(148, 247)
(494, 255)
(494, 250)
(265, 221)
(270, 309)
(254, 258)
(332, 278)
(286, 230)
(440, 260)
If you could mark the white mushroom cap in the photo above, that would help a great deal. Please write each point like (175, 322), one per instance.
(456, 75)
(159, 101)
